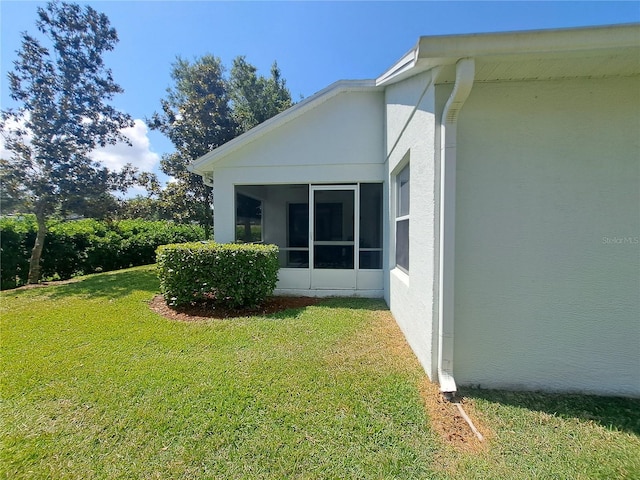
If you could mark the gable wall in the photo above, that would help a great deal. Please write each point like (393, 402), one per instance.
(346, 129)
(547, 274)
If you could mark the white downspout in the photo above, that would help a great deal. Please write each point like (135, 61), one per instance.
(465, 72)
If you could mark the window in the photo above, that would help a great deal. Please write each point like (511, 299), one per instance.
(297, 247)
(402, 219)
(248, 219)
(347, 223)
(370, 226)
(334, 229)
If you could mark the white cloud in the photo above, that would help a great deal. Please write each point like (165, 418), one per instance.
(114, 157)
(11, 125)
(4, 153)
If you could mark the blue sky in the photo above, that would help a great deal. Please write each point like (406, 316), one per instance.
(314, 43)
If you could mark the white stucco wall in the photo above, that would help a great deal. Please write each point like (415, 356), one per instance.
(411, 297)
(547, 272)
(339, 141)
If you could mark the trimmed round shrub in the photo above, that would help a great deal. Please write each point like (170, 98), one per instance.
(232, 275)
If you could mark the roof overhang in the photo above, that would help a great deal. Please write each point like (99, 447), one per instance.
(508, 56)
(540, 54)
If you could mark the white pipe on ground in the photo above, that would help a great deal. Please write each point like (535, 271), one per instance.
(469, 422)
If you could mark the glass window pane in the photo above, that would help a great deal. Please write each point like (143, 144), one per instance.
(248, 219)
(334, 215)
(403, 191)
(333, 256)
(334, 229)
(293, 258)
(371, 260)
(402, 244)
(371, 215)
(298, 225)
(275, 214)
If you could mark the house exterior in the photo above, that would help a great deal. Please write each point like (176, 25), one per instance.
(486, 186)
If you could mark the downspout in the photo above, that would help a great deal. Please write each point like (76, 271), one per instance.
(465, 71)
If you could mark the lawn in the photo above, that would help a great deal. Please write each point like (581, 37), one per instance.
(96, 385)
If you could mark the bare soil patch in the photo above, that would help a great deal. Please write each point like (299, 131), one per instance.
(206, 311)
(449, 424)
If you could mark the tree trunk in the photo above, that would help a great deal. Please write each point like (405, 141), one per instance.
(248, 238)
(36, 252)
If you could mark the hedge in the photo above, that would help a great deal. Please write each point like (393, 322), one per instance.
(233, 275)
(84, 246)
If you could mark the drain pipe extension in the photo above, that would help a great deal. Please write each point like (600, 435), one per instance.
(465, 72)
(467, 419)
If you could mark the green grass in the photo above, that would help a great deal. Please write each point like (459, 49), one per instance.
(95, 385)
(550, 436)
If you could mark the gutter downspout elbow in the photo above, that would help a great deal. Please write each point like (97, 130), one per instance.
(207, 177)
(465, 73)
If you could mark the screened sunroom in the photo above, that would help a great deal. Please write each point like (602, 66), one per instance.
(330, 236)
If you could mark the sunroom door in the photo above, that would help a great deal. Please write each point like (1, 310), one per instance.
(334, 233)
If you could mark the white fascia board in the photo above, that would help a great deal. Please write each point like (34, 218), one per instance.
(435, 51)
(205, 163)
(531, 42)
(406, 64)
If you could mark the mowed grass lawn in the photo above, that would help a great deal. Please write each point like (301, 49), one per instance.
(96, 385)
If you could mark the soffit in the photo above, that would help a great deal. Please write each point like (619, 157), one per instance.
(511, 56)
(600, 64)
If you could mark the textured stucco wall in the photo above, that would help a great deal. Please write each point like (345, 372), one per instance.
(547, 269)
(341, 140)
(411, 297)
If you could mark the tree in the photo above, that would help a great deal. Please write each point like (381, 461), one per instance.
(256, 98)
(139, 207)
(203, 111)
(196, 117)
(10, 199)
(62, 89)
(144, 207)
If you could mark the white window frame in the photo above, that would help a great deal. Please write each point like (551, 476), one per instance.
(401, 216)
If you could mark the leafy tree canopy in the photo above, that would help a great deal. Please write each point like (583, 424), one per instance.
(256, 98)
(62, 87)
(203, 110)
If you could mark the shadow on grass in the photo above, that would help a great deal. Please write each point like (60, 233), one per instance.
(116, 284)
(274, 308)
(354, 303)
(617, 413)
(287, 313)
(120, 283)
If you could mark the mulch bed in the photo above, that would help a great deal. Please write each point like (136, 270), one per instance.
(205, 311)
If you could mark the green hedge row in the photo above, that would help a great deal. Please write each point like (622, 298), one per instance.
(226, 274)
(84, 246)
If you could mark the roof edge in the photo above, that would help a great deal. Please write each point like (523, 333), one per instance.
(405, 64)
(336, 88)
(440, 50)
(530, 41)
